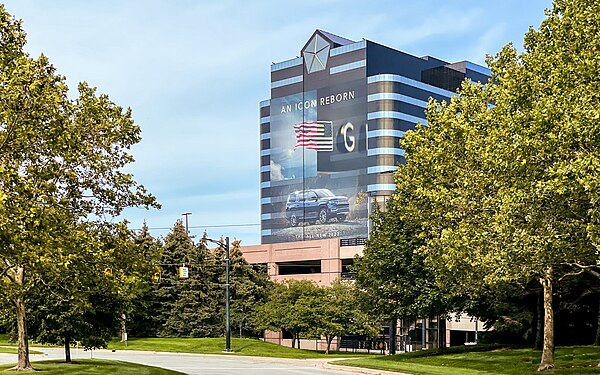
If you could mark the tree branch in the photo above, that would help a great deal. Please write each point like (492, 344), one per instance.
(5, 271)
(592, 269)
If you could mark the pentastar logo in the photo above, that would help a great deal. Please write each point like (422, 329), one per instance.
(316, 54)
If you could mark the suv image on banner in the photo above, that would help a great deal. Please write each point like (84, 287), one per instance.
(316, 205)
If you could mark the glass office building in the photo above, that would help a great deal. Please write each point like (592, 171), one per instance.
(330, 133)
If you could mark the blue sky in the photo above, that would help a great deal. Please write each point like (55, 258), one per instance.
(193, 73)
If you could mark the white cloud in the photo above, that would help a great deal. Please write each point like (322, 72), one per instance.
(276, 172)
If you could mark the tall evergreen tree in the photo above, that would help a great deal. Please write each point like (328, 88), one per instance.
(143, 320)
(249, 288)
(189, 305)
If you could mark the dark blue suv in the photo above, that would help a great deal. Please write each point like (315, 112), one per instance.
(316, 205)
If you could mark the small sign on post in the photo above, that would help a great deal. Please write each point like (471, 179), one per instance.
(183, 272)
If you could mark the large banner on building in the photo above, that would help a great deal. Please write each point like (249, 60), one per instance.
(318, 164)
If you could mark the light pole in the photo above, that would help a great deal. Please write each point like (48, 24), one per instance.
(186, 214)
(225, 245)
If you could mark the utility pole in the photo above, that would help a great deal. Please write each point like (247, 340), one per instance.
(227, 311)
(186, 214)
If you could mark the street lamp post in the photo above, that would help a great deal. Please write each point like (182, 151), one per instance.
(225, 245)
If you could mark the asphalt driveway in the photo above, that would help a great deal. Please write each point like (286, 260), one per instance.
(204, 364)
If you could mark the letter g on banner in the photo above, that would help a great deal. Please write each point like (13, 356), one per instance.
(349, 140)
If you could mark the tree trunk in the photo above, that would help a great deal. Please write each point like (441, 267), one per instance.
(597, 340)
(329, 339)
(547, 361)
(392, 341)
(539, 324)
(67, 349)
(293, 340)
(123, 327)
(441, 334)
(23, 362)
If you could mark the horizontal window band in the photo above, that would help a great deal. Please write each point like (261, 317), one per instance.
(396, 115)
(287, 81)
(385, 151)
(479, 69)
(349, 66)
(276, 215)
(381, 187)
(348, 48)
(382, 169)
(385, 133)
(286, 64)
(410, 82)
(397, 97)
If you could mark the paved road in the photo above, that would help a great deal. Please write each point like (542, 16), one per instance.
(200, 363)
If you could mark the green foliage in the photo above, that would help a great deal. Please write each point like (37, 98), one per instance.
(340, 314)
(392, 274)
(508, 192)
(307, 310)
(509, 310)
(249, 287)
(293, 306)
(188, 307)
(195, 306)
(142, 315)
(61, 163)
(101, 285)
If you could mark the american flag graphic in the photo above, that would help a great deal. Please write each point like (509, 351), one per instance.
(314, 135)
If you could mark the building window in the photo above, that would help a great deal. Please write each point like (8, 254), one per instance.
(300, 268)
(347, 272)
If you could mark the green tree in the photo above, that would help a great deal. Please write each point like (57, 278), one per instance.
(143, 314)
(509, 192)
(60, 164)
(293, 306)
(392, 273)
(190, 305)
(340, 314)
(249, 288)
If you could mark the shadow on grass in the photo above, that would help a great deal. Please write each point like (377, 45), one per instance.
(484, 359)
(93, 367)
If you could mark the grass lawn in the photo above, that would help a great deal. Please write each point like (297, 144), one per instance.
(11, 347)
(568, 360)
(93, 367)
(250, 347)
(4, 341)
